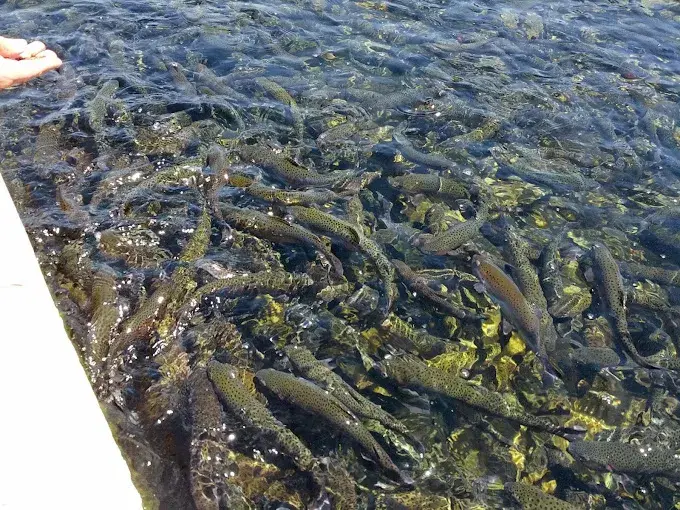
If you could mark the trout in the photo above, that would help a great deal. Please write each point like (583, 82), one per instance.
(317, 371)
(514, 306)
(627, 458)
(288, 170)
(314, 400)
(431, 184)
(411, 372)
(278, 230)
(244, 405)
(533, 498)
(352, 236)
(420, 288)
(455, 236)
(285, 197)
(613, 294)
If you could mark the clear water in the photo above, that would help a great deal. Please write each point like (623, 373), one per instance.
(561, 118)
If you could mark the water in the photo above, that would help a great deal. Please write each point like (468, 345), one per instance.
(560, 118)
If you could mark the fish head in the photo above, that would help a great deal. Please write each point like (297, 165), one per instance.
(514, 489)
(217, 370)
(265, 376)
(598, 249)
(580, 450)
(421, 241)
(478, 262)
(382, 368)
(290, 351)
(590, 454)
(511, 236)
(213, 365)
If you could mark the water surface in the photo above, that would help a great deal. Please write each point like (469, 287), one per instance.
(154, 175)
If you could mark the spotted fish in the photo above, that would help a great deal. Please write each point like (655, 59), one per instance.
(410, 152)
(596, 357)
(525, 275)
(517, 250)
(549, 264)
(455, 236)
(533, 498)
(514, 306)
(277, 230)
(431, 184)
(627, 458)
(656, 274)
(560, 182)
(105, 317)
(413, 373)
(262, 282)
(400, 99)
(98, 105)
(209, 452)
(179, 78)
(161, 305)
(217, 160)
(352, 236)
(406, 337)
(206, 76)
(250, 410)
(613, 294)
(286, 197)
(420, 288)
(281, 94)
(310, 368)
(319, 402)
(345, 231)
(385, 270)
(198, 243)
(288, 170)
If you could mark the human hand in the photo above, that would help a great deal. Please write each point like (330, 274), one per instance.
(21, 61)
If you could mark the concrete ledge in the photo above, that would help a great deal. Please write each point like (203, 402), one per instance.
(56, 448)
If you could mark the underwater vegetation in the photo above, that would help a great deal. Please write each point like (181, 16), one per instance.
(365, 254)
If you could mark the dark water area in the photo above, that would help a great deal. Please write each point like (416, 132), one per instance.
(343, 254)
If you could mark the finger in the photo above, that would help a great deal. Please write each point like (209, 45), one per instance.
(12, 48)
(20, 71)
(32, 49)
(46, 54)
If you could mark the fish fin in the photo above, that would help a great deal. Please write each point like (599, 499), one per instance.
(573, 433)
(643, 361)
(548, 377)
(328, 362)
(507, 327)
(283, 221)
(589, 275)
(367, 458)
(406, 478)
(356, 235)
(322, 502)
(420, 240)
(479, 287)
(504, 171)
(575, 343)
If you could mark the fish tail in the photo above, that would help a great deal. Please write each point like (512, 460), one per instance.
(645, 362)
(549, 377)
(634, 354)
(386, 462)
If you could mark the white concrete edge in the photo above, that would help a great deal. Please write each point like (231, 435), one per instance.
(56, 448)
